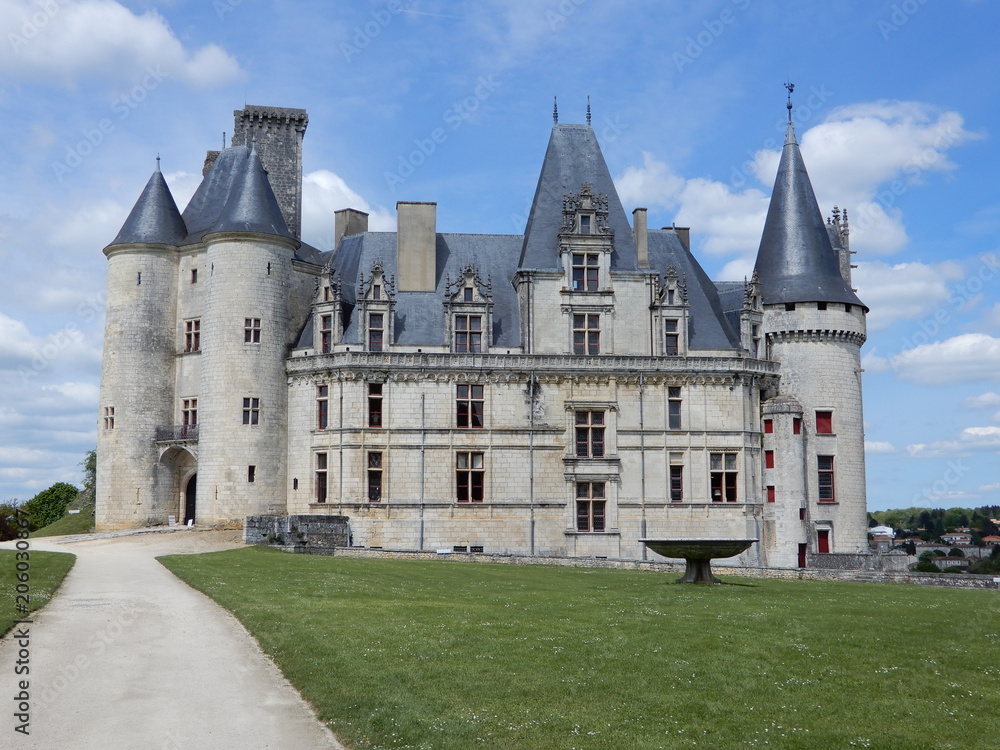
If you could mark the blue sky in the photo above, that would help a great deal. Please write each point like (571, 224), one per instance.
(451, 101)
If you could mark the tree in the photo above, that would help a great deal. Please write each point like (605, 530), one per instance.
(910, 547)
(926, 566)
(89, 464)
(8, 521)
(50, 505)
(927, 556)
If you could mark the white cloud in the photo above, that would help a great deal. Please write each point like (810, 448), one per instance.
(879, 446)
(983, 401)
(67, 41)
(971, 439)
(965, 358)
(324, 192)
(903, 291)
(863, 157)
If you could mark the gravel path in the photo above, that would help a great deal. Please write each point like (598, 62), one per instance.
(128, 656)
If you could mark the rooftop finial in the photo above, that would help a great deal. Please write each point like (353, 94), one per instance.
(588, 110)
(157, 162)
(555, 111)
(791, 87)
(223, 140)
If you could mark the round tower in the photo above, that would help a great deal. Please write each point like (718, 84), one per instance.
(814, 325)
(137, 377)
(243, 394)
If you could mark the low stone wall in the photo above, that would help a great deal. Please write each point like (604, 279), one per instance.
(312, 534)
(871, 561)
(950, 580)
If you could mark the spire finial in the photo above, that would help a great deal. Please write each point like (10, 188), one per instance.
(588, 110)
(791, 87)
(555, 111)
(223, 140)
(157, 162)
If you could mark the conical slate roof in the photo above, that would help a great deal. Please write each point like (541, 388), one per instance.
(251, 205)
(154, 218)
(796, 261)
(573, 158)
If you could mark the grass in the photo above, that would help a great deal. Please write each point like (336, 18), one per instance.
(437, 654)
(46, 572)
(75, 523)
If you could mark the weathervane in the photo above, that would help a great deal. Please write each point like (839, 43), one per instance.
(791, 88)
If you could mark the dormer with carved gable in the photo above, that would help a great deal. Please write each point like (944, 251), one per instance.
(585, 242)
(671, 311)
(376, 302)
(328, 325)
(468, 307)
(752, 318)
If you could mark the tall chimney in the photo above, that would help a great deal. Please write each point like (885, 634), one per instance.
(348, 221)
(416, 246)
(641, 237)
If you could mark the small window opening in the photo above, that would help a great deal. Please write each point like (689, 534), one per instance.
(194, 275)
(295, 483)
(820, 305)
(789, 306)
(138, 279)
(251, 473)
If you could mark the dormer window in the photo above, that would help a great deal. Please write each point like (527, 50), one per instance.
(585, 224)
(586, 272)
(376, 291)
(468, 305)
(468, 334)
(467, 294)
(376, 329)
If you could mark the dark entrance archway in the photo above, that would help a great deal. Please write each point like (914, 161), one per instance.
(189, 498)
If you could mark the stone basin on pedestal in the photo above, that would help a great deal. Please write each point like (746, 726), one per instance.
(699, 554)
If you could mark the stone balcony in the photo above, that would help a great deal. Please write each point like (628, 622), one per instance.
(177, 433)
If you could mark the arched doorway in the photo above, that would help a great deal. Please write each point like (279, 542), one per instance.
(189, 498)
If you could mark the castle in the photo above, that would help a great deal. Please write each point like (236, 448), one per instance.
(564, 392)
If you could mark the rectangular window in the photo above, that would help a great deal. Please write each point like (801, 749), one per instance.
(796, 425)
(251, 411)
(376, 331)
(468, 334)
(192, 335)
(251, 330)
(676, 484)
(586, 268)
(374, 404)
(768, 459)
(768, 426)
(320, 477)
(590, 506)
(326, 333)
(587, 334)
(467, 294)
(672, 348)
(251, 474)
(770, 493)
(109, 417)
(469, 406)
(585, 224)
(322, 407)
(826, 487)
(376, 291)
(674, 407)
(374, 477)
(723, 471)
(590, 434)
(189, 412)
(755, 341)
(194, 275)
(789, 306)
(824, 423)
(470, 477)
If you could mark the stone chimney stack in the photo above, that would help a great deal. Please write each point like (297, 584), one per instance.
(276, 133)
(641, 237)
(416, 246)
(349, 221)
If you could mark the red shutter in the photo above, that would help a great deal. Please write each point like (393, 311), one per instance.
(824, 422)
(770, 493)
(768, 459)
(769, 426)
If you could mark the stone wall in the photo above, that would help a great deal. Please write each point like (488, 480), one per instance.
(950, 580)
(314, 534)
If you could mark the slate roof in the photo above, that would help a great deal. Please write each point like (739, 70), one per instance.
(796, 261)
(154, 218)
(251, 205)
(419, 318)
(707, 324)
(573, 157)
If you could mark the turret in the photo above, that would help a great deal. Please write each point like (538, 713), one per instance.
(814, 325)
(137, 381)
(244, 340)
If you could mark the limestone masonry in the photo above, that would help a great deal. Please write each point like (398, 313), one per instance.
(561, 393)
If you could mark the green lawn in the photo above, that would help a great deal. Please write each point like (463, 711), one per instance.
(76, 523)
(442, 654)
(46, 572)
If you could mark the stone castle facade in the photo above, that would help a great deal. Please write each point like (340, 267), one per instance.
(564, 392)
